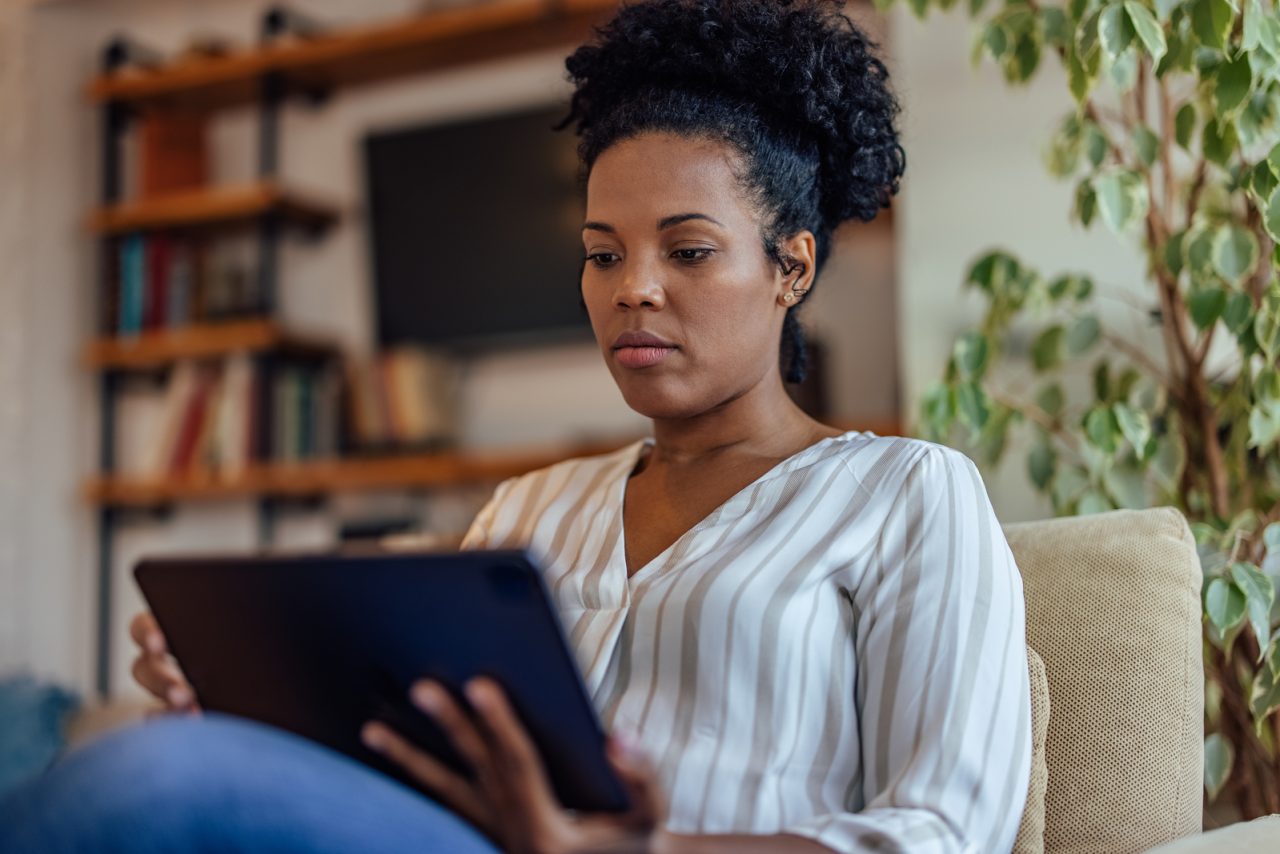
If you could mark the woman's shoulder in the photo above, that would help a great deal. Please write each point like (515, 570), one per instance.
(893, 460)
(572, 473)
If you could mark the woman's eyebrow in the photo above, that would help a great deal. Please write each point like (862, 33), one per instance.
(665, 222)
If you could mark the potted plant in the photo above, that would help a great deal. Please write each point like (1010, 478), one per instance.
(1173, 144)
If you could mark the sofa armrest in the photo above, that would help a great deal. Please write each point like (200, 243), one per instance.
(1261, 834)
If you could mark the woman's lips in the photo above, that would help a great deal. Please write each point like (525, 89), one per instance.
(641, 357)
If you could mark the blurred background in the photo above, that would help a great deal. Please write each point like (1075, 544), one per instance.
(287, 278)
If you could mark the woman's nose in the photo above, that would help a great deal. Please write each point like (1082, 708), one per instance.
(639, 287)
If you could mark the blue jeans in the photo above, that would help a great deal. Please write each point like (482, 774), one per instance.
(216, 783)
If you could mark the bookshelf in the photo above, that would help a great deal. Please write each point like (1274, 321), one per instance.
(328, 60)
(295, 59)
(322, 478)
(213, 209)
(161, 348)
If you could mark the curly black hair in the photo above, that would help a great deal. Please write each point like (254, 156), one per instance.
(793, 86)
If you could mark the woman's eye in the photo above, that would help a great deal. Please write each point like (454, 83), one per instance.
(602, 259)
(693, 255)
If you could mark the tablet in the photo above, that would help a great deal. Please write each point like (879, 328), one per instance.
(320, 644)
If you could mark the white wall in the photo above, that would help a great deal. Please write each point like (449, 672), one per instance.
(975, 180)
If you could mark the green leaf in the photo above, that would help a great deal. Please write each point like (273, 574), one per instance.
(1070, 285)
(1122, 198)
(1124, 70)
(1046, 350)
(1238, 313)
(1271, 216)
(1115, 29)
(1094, 502)
(1266, 325)
(1086, 203)
(1265, 696)
(973, 406)
(1146, 144)
(1253, 17)
(1134, 424)
(1184, 125)
(1169, 461)
(971, 355)
(1259, 594)
(1057, 28)
(1235, 252)
(1025, 59)
(1173, 253)
(1081, 74)
(1224, 604)
(1127, 486)
(1165, 7)
(1095, 144)
(1232, 84)
(1087, 41)
(1206, 306)
(1084, 333)
(1102, 380)
(1263, 180)
(995, 40)
(1051, 399)
(1148, 30)
(1271, 536)
(1264, 425)
(1101, 429)
(938, 410)
(1219, 141)
(1040, 465)
(1219, 756)
(1212, 20)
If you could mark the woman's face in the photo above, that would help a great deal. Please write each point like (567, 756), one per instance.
(673, 251)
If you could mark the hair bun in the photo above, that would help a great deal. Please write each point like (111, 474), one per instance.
(808, 70)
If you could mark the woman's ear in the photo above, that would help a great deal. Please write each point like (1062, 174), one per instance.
(796, 276)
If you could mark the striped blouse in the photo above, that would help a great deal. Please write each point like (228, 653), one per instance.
(837, 651)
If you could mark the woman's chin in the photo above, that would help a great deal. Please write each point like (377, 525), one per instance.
(653, 401)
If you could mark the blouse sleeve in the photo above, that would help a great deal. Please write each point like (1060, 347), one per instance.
(943, 694)
(479, 533)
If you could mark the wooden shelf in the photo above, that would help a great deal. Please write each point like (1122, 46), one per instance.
(358, 55)
(151, 350)
(213, 208)
(301, 480)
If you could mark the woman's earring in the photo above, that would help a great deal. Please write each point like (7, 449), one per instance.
(788, 297)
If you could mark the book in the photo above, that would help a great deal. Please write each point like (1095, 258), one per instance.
(182, 382)
(156, 282)
(132, 284)
(172, 153)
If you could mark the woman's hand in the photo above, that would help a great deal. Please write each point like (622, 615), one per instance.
(511, 799)
(155, 670)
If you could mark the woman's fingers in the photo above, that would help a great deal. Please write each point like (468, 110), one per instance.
(639, 778)
(434, 700)
(154, 670)
(456, 792)
(164, 681)
(510, 740)
(146, 633)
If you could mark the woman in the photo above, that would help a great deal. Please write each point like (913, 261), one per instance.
(815, 637)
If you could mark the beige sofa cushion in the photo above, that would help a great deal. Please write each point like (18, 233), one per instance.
(1031, 832)
(1113, 608)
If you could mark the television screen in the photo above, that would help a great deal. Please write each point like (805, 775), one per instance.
(475, 232)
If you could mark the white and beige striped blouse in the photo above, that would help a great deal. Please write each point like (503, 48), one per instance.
(837, 651)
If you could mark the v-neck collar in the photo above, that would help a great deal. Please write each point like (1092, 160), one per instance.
(631, 459)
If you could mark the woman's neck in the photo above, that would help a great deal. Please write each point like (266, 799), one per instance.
(763, 422)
